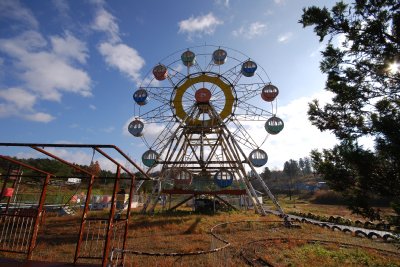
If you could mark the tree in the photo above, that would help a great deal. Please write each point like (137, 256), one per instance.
(94, 168)
(307, 166)
(266, 174)
(302, 165)
(363, 74)
(291, 169)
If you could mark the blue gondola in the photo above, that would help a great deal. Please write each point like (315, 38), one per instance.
(140, 97)
(223, 178)
(258, 157)
(249, 68)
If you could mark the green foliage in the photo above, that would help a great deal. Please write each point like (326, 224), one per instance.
(291, 168)
(366, 99)
(266, 174)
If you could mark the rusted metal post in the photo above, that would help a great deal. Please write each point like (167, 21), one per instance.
(110, 225)
(128, 214)
(39, 213)
(17, 176)
(83, 220)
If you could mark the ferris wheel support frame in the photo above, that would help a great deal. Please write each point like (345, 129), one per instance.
(233, 151)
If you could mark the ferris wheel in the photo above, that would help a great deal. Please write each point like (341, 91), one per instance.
(227, 79)
(201, 97)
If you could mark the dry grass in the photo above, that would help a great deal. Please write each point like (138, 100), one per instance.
(186, 232)
(299, 205)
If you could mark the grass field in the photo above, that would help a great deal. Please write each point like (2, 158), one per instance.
(253, 238)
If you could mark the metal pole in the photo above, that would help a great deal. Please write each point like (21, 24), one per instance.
(38, 215)
(110, 225)
(83, 219)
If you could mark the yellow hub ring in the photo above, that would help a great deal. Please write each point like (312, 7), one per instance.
(226, 89)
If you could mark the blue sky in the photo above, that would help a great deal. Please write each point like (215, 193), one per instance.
(68, 69)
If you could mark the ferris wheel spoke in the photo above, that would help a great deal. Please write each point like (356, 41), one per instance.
(234, 73)
(249, 112)
(248, 91)
(157, 115)
(160, 94)
(213, 89)
(175, 75)
(243, 135)
(196, 66)
(219, 95)
(166, 136)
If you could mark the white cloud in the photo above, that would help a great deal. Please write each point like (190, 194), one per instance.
(92, 107)
(106, 22)
(43, 70)
(199, 25)
(20, 103)
(39, 117)
(124, 58)
(116, 54)
(109, 129)
(253, 30)
(12, 9)
(284, 38)
(224, 3)
(18, 97)
(69, 47)
(62, 6)
(299, 136)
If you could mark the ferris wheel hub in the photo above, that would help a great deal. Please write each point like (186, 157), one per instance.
(202, 95)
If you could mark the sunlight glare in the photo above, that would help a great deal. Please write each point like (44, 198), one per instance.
(394, 67)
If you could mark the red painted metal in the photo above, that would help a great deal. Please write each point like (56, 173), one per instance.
(128, 214)
(83, 220)
(111, 218)
(38, 215)
(8, 192)
(203, 95)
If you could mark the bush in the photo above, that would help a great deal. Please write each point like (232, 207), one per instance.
(328, 197)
